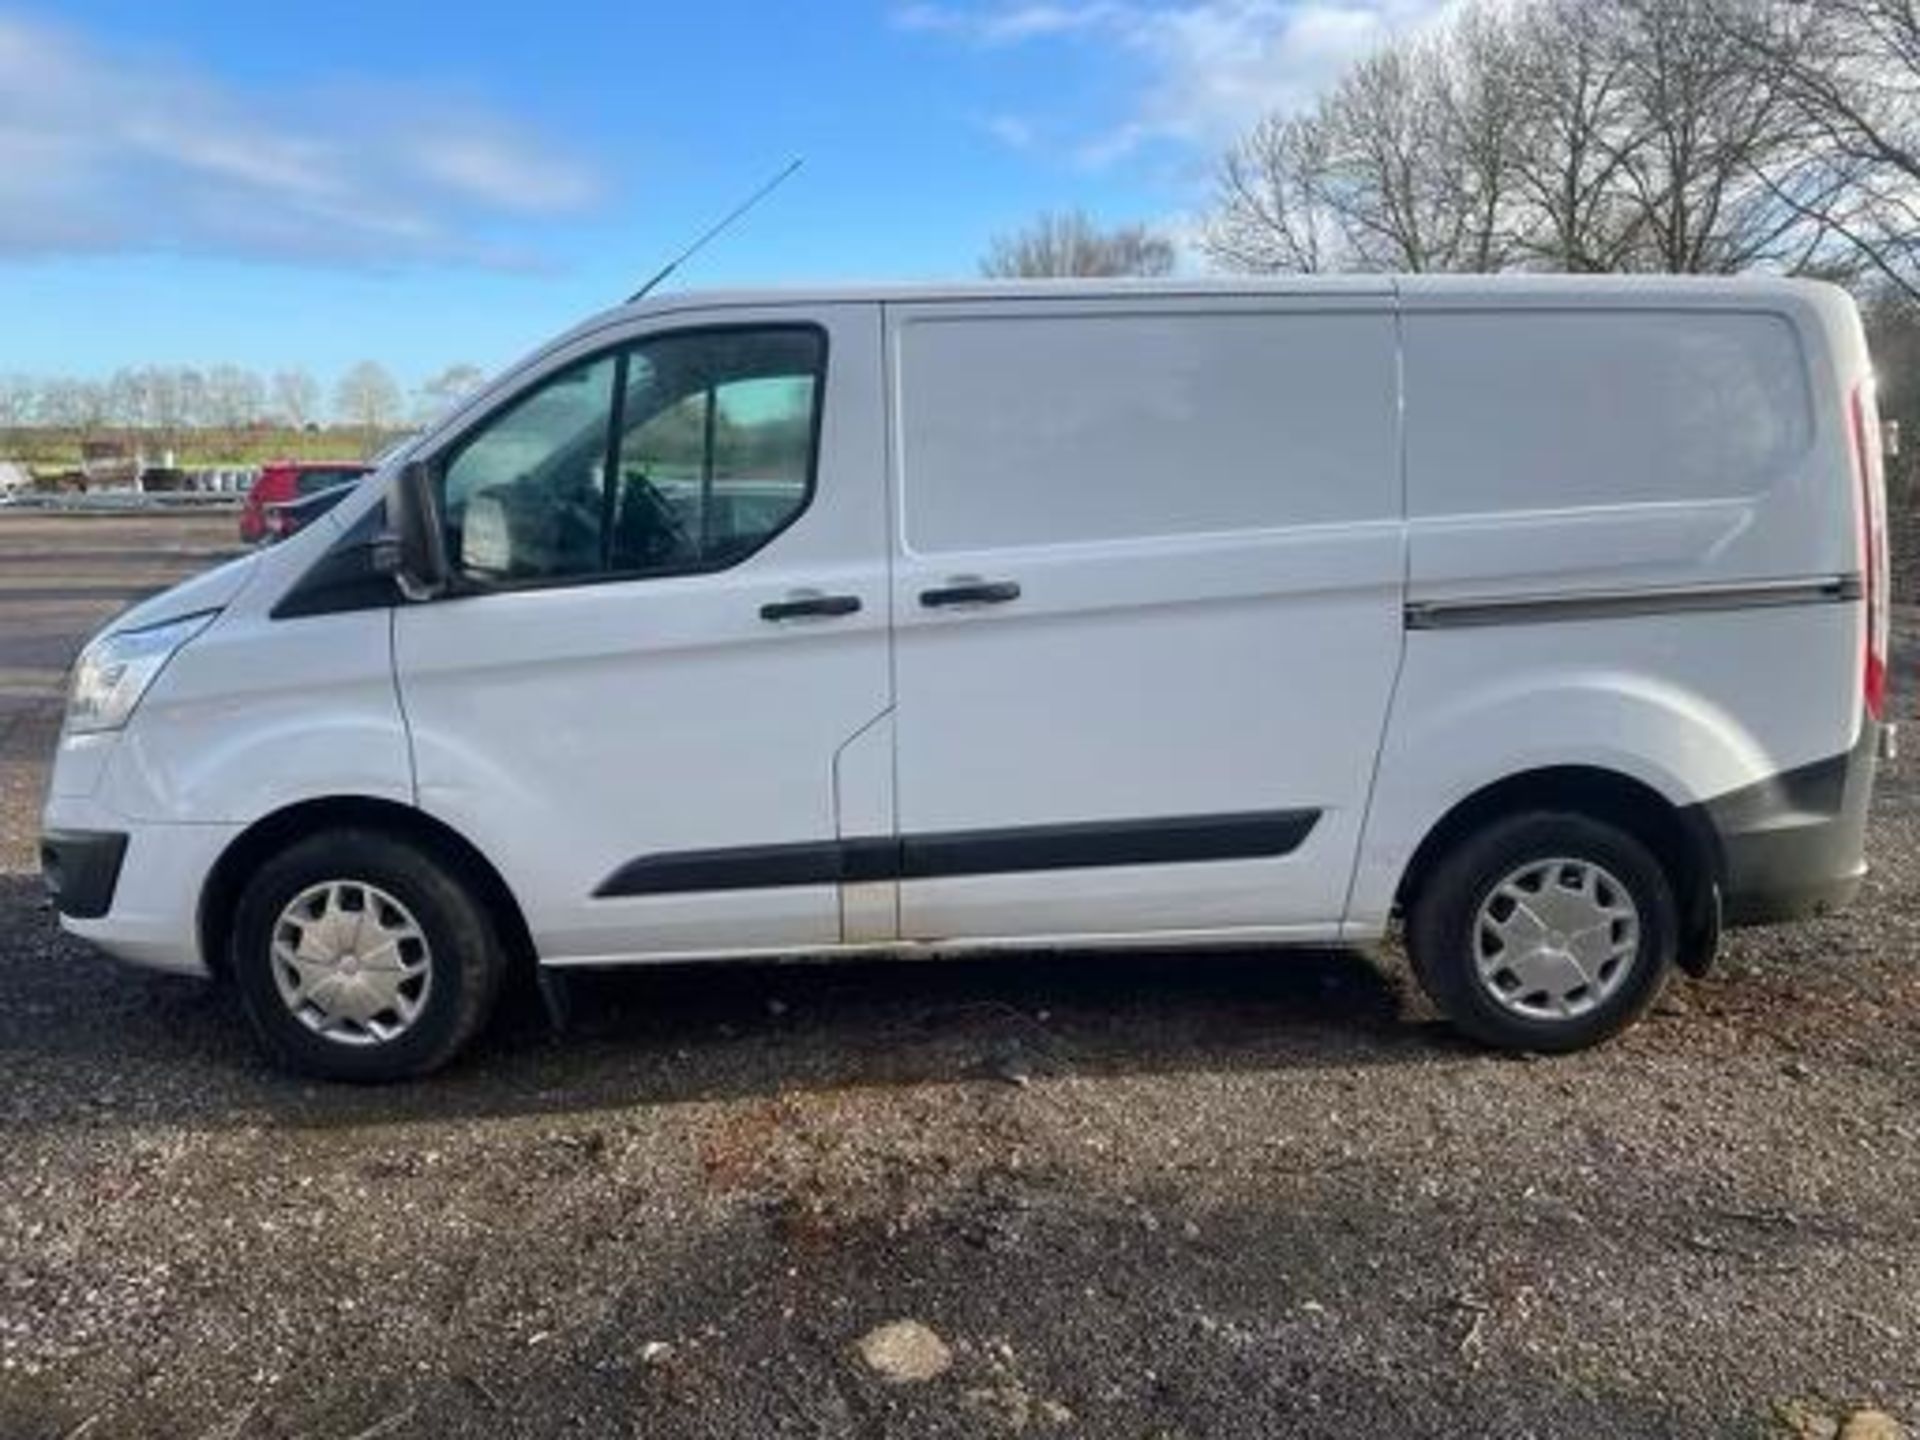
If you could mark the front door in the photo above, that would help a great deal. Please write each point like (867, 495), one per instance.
(670, 622)
(1147, 610)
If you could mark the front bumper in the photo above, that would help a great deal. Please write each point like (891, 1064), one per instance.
(146, 911)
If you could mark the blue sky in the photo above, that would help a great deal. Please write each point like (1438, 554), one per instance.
(301, 183)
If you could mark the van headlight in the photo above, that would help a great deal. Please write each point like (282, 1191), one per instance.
(115, 671)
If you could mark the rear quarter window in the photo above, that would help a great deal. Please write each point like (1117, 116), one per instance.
(1546, 410)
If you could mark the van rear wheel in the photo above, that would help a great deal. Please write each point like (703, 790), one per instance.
(359, 956)
(1546, 931)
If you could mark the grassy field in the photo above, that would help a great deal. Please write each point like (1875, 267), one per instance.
(47, 451)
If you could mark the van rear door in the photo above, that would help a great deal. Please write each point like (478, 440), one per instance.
(1148, 608)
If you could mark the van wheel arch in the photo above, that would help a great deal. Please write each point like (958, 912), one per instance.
(1682, 839)
(271, 834)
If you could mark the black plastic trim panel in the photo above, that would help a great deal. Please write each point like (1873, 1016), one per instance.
(344, 577)
(1172, 840)
(1794, 844)
(81, 869)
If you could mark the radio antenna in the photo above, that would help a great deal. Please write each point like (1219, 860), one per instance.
(713, 230)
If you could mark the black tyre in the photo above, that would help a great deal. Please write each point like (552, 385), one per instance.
(361, 956)
(1545, 931)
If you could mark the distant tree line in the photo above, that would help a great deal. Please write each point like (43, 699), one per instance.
(1069, 243)
(161, 406)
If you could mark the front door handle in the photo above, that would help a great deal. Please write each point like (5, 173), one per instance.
(971, 592)
(801, 606)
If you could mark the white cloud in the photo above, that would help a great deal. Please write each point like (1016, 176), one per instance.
(102, 152)
(1011, 23)
(1211, 67)
(1013, 131)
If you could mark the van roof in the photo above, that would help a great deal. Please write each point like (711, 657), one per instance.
(1518, 288)
(1614, 287)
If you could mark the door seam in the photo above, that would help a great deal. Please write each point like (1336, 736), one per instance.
(1400, 631)
(400, 702)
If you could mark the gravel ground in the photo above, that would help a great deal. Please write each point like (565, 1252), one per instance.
(1180, 1196)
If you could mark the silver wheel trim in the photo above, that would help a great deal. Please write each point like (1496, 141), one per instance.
(351, 963)
(1555, 938)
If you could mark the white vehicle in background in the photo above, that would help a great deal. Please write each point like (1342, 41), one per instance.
(1549, 615)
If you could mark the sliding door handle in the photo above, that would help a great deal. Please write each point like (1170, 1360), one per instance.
(971, 592)
(799, 607)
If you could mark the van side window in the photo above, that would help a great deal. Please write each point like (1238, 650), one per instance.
(1558, 409)
(716, 450)
(525, 495)
(1017, 430)
(710, 438)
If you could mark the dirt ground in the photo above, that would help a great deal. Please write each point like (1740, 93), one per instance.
(1141, 1195)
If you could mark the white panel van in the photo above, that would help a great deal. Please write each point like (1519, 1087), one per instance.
(1545, 616)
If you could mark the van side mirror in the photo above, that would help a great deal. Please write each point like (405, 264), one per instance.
(414, 549)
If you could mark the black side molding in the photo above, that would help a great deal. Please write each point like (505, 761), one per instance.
(1626, 604)
(1168, 841)
(754, 867)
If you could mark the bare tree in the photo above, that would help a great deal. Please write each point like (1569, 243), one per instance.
(369, 399)
(235, 400)
(168, 401)
(296, 397)
(1384, 124)
(1482, 105)
(1575, 134)
(1273, 212)
(127, 401)
(19, 395)
(190, 397)
(1708, 128)
(123, 400)
(71, 404)
(1069, 243)
(1851, 70)
(1581, 135)
(1406, 164)
(440, 393)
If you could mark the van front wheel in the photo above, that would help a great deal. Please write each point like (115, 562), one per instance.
(1546, 931)
(359, 956)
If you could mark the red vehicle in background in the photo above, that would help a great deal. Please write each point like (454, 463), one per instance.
(271, 512)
